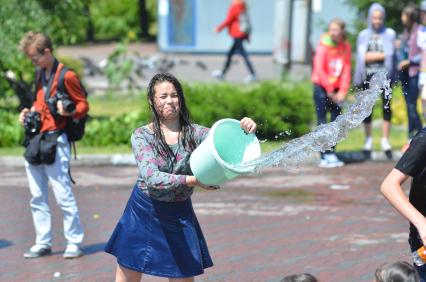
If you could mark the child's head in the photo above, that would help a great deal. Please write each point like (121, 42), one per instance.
(337, 30)
(376, 17)
(304, 277)
(410, 15)
(397, 271)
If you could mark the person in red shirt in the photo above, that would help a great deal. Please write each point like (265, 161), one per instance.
(38, 47)
(236, 13)
(331, 76)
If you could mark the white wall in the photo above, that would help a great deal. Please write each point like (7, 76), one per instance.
(210, 13)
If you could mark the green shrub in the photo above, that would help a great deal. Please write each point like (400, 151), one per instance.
(112, 131)
(275, 106)
(11, 132)
(76, 65)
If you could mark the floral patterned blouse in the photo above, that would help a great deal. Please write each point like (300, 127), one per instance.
(158, 177)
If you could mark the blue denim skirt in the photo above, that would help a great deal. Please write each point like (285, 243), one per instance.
(159, 238)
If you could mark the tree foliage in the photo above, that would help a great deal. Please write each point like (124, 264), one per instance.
(66, 22)
(393, 11)
(120, 20)
(62, 20)
(115, 19)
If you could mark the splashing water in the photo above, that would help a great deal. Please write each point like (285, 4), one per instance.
(324, 136)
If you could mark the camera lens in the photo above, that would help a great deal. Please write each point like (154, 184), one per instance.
(32, 123)
(69, 106)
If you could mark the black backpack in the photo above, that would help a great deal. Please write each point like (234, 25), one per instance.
(74, 128)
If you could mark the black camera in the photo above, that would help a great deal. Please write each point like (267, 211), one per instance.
(32, 123)
(67, 104)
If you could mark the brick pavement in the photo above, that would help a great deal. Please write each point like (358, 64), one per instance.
(331, 223)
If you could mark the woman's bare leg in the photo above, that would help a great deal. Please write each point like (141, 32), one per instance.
(127, 275)
(189, 279)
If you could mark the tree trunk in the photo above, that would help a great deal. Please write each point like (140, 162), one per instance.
(90, 34)
(143, 19)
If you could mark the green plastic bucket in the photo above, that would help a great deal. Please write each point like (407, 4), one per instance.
(227, 144)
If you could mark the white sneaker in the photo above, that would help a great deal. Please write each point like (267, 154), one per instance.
(323, 163)
(368, 145)
(73, 251)
(218, 74)
(385, 144)
(250, 78)
(330, 161)
(387, 148)
(38, 251)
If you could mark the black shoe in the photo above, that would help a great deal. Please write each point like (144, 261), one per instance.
(367, 154)
(388, 154)
(36, 252)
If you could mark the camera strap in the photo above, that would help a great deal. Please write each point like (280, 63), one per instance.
(47, 84)
(35, 85)
(61, 80)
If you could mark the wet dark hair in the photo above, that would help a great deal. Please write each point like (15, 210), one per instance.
(412, 12)
(397, 271)
(187, 137)
(304, 277)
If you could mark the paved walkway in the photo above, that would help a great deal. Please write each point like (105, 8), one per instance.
(188, 70)
(331, 223)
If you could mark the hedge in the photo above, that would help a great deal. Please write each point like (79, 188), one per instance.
(277, 107)
(11, 132)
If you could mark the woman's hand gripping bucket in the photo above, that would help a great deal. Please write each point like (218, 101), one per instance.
(226, 146)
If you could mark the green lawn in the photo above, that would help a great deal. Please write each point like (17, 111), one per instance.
(108, 105)
(355, 140)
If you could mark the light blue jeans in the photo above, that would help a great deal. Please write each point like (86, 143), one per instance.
(57, 175)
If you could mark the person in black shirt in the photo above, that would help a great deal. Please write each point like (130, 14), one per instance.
(412, 163)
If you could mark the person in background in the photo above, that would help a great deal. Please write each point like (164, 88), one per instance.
(38, 48)
(331, 76)
(421, 42)
(237, 22)
(304, 277)
(396, 271)
(375, 53)
(409, 69)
